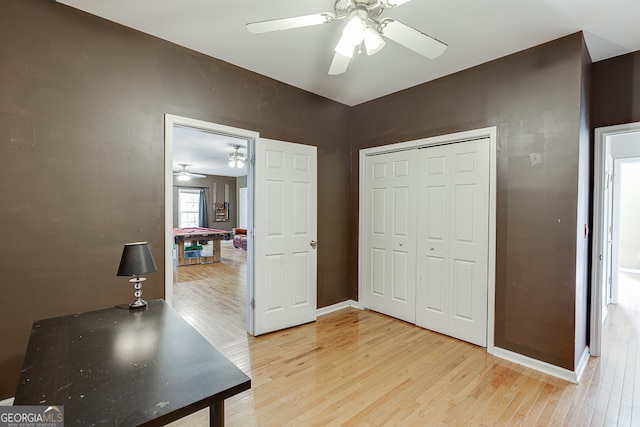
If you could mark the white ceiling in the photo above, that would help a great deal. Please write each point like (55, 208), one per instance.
(205, 152)
(476, 32)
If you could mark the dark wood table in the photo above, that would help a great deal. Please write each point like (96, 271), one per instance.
(126, 367)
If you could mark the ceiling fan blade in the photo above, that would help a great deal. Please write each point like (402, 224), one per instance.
(339, 64)
(409, 37)
(394, 3)
(195, 175)
(289, 23)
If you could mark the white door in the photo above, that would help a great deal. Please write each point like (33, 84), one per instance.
(390, 235)
(453, 240)
(284, 235)
(243, 208)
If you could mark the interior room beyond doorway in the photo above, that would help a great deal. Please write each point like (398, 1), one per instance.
(205, 271)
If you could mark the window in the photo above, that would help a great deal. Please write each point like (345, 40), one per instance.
(188, 208)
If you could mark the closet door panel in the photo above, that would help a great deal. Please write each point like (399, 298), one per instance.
(390, 235)
(470, 241)
(432, 234)
(453, 229)
(377, 226)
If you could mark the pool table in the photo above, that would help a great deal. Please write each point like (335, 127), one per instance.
(182, 235)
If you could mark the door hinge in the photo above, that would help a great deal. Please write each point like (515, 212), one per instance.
(253, 159)
(253, 303)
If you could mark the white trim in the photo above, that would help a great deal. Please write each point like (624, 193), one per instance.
(338, 306)
(537, 365)
(170, 121)
(599, 182)
(630, 270)
(599, 229)
(582, 364)
(488, 132)
(7, 402)
(615, 237)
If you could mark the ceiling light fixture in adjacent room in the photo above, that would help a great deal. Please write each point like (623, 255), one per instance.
(237, 159)
(184, 175)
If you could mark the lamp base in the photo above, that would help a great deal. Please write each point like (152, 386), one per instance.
(137, 284)
(138, 303)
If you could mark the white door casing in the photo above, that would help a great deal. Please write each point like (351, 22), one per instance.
(607, 140)
(171, 121)
(608, 255)
(390, 235)
(452, 234)
(285, 235)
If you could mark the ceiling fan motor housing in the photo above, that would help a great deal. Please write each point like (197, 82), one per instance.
(371, 8)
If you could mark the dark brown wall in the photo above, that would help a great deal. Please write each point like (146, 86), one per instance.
(616, 91)
(534, 99)
(82, 104)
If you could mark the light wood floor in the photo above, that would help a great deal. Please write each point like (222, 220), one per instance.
(360, 368)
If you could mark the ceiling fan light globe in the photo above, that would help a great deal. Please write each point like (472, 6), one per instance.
(232, 163)
(373, 42)
(354, 31)
(184, 177)
(239, 164)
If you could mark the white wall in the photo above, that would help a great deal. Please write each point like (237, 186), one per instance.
(630, 215)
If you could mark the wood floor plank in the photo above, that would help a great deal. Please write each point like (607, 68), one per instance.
(361, 368)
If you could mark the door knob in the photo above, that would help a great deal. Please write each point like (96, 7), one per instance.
(313, 244)
(431, 248)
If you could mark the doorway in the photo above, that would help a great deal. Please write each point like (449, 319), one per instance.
(614, 147)
(218, 199)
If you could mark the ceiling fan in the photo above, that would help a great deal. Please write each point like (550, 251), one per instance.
(363, 25)
(185, 175)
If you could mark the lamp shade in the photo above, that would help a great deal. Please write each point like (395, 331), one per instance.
(136, 259)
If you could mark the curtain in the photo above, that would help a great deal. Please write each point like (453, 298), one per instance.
(203, 217)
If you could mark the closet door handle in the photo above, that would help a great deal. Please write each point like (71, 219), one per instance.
(313, 244)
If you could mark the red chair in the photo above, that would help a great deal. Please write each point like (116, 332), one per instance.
(240, 238)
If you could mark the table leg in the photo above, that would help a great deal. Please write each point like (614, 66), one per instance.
(216, 250)
(181, 251)
(216, 414)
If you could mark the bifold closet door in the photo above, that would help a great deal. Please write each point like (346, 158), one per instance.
(389, 240)
(452, 240)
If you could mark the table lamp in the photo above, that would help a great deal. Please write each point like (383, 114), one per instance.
(136, 260)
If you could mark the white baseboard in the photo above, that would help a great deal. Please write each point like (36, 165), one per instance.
(537, 365)
(7, 402)
(582, 364)
(630, 270)
(335, 307)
